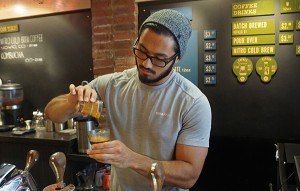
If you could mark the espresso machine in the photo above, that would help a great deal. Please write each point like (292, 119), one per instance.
(11, 99)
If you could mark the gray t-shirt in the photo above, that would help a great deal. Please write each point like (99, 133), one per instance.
(151, 120)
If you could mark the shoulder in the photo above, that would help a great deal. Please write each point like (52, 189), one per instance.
(115, 77)
(186, 86)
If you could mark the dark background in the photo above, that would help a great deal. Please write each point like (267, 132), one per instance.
(67, 57)
(254, 109)
(250, 118)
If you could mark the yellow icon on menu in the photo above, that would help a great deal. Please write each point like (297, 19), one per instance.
(242, 68)
(266, 67)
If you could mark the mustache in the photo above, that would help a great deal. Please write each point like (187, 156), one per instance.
(142, 67)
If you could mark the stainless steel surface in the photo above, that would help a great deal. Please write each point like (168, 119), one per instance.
(157, 176)
(49, 125)
(2, 119)
(52, 187)
(20, 180)
(5, 169)
(32, 157)
(83, 127)
(70, 123)
(59, 127)
(57, 163)
(11, 94)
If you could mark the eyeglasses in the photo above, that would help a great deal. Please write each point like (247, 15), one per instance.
(154, 60)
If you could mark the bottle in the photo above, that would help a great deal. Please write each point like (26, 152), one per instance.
(39, 126)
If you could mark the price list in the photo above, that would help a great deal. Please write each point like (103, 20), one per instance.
(210, 57)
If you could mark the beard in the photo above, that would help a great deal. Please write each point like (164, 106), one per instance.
(146, 80)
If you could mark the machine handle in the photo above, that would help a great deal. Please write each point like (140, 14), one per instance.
(32, 157)
(57, 163)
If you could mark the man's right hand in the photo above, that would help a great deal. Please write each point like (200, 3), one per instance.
(81, 93)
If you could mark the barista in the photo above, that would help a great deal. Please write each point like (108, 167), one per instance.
(155, 114)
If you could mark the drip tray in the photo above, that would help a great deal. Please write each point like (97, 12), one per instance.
(4, 128)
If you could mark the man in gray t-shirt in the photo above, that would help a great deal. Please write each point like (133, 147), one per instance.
(155, 114)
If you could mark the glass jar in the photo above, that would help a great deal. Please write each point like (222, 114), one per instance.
(90, 108)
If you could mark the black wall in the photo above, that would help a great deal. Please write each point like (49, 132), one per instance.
(64, 44)
(253, 109)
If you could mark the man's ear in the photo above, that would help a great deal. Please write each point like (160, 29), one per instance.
(177, 60)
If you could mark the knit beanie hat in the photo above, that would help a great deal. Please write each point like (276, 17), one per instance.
(175, 22)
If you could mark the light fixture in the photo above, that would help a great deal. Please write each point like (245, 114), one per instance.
(19, 9)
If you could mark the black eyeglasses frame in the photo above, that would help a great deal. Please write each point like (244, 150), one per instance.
(166, 61)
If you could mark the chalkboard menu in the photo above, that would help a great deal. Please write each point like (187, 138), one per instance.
(45, 54)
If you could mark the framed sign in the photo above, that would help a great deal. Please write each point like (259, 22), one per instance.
(298, 25)
(266, 67)
(210, 79)
(210, 34)
(286, 25)
(210, 45)
(210, 57)
(253, 50)
(289, 6)
(253, 40)
(286, 38)
(9, 28)
(253, 27)
(253, 8)
(242, 68)
(210, 68)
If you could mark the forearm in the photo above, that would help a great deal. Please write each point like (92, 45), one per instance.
(177, 173)
(60, 110)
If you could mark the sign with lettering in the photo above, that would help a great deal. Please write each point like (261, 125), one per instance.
(297, 49)
(286, 25)
(28, 48)
(253, 40)
(242, 68)
(210, 79)
(210, 57)
(210, 68)
(253, 50)
(210, 34)
(188, 64)
(289, 6)
(253, 27)
(210, 44)
(286, 38)
(9, 29)
(298, 25)
(266, 67)
(253, 8)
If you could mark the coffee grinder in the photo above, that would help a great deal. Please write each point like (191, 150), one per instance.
(11, 99)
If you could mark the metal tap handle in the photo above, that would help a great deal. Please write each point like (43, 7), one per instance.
(57, 163)
(157, 176)
(32, 157)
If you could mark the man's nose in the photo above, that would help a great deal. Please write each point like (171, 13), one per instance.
(147, 63)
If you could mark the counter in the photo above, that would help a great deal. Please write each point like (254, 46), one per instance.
(14, 149)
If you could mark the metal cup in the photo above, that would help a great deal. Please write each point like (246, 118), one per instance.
(59, 127)
(49, 125)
